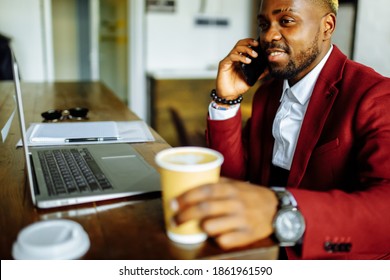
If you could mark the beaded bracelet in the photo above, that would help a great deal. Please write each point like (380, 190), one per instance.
(221, 100)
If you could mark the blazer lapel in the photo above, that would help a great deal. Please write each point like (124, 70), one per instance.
(317, 113)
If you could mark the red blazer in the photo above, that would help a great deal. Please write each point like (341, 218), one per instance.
(340, 174)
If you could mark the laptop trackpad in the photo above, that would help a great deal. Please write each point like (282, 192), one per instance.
(125, 170)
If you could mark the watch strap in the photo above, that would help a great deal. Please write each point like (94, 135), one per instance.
(285, 198)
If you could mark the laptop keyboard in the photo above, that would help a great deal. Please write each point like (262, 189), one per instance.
(71, 171)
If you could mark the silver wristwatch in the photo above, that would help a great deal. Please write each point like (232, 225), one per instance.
(289, 224)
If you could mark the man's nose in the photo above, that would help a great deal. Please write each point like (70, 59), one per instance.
(272, 34)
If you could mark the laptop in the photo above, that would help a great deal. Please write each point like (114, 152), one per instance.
(86, 173)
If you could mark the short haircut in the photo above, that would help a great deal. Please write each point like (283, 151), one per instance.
(330, 5)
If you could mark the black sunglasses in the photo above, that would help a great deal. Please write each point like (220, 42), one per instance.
(77, 113)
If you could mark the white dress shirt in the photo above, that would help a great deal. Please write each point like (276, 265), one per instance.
(289, 117)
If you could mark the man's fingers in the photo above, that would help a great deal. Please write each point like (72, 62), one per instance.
(244, 50)
(223, 224)
(247, 42)
(236, 239)
(240, 58)
(204, 193)
(208, 209)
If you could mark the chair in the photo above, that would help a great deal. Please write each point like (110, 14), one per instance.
(185, 138)
(5, 59)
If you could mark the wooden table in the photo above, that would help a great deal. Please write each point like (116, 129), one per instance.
(128, 228)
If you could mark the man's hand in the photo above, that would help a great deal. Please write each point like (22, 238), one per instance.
(230, 81)
(236, 213)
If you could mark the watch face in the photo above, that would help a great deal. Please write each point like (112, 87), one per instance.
(289, 225)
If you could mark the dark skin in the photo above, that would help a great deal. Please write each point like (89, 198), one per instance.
(296, 35)
(293, 24)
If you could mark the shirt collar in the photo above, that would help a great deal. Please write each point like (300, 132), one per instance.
(303, 90)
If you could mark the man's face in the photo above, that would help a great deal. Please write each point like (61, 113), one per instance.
(291, 35)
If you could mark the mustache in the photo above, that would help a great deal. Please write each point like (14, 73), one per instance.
(274, 45)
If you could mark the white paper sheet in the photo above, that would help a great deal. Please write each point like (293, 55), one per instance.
(49, 134)
(61, 132)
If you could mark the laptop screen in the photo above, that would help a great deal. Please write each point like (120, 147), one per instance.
(19, 103)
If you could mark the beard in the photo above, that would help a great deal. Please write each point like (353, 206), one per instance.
(294, 66)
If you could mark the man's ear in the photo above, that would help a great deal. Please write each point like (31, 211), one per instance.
(329, 23)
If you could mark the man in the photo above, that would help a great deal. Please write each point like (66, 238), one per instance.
(319, 127)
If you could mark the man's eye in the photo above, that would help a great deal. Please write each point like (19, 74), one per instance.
(286, 21)
(263, 25)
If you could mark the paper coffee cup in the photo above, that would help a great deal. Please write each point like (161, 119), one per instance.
(181, 169)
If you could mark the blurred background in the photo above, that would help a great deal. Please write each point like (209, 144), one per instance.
(160, 56)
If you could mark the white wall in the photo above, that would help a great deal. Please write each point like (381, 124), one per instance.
(65, 40)
(343, 36)
(21, 20)
(175, 42)
(372, 45)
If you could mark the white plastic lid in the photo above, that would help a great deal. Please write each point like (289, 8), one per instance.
(50, 240)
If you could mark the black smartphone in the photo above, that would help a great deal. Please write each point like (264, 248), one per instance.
(253, 70)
